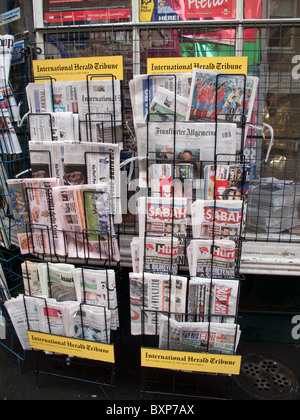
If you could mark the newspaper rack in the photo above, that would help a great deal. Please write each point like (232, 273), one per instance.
(181, 355)
(87, 353)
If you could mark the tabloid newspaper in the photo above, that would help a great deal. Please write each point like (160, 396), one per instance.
(194, 141)
(163, 216)
(212, 258)
(198, 336)
(97, 103)
(54, 126)
(77, 163)
(217, 218)
(84, 213)
(152, 294)
(38, 227)
(223, 96)
(212, 300)
(155, 254)
(226, 181)
(98, 287)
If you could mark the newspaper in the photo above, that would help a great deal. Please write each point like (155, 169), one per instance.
(57, 281)
(97, 103)
(9, 142)
(198, 336)
(211, 258)
(217, 218)
(76, 163)
(194, 141)
(31, 278)
(53, 126)
(84, 214)
(90, 323)
(24, 316)
(212, 300)
(6, 50)
(152, 294)
(163, 216)
(144, 87)
(223, 96)
(166, 106)
(155, 254)
(38, 226)
(98, 287)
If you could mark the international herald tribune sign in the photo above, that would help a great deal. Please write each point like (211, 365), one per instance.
(190, 361)
(233, 65)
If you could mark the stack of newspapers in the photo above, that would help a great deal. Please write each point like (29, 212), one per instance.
(63, 300)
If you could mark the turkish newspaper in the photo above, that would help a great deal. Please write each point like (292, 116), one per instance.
(212, 300)
(38, 227)
(150, 296)
(155, 254)
(217, 218)
(198, 336)
(211, 258)
(84, 212)
(98, 287)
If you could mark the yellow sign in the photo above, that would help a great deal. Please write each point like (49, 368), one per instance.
(67, 69)
(72, 346)
(195, 362)
(235, 65)
(146, 10)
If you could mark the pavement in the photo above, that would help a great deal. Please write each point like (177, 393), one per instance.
(269, 371)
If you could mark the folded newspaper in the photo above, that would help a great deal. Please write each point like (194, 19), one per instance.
(57, 281)
(38, 227)
(54, 126)
(217, 218)
(84, 212)
(198, 336)
(150, 296)
(31, 278)
(155, 254)
(98, 287)
(212, 258)
(213, 300)
(187, 142)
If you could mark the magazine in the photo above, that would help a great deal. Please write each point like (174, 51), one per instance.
(198, 336)
(84, 214)
(194, 141)
(76, 163)
(4, 290)
(98, 287)
(212, 300)
(223, 96)
(57, 281)
(211, 258)
(53, 126)
(38, 226)
(152, 294)
(155, 254)
(9, 142)
(217, 218)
